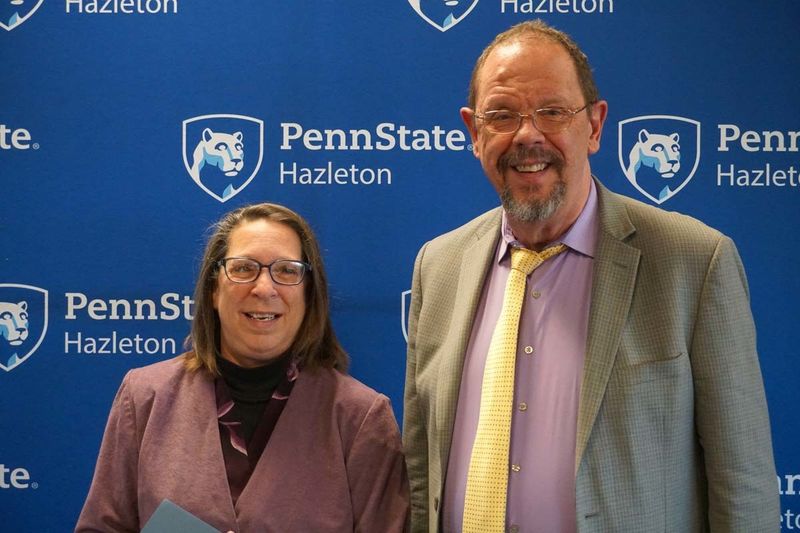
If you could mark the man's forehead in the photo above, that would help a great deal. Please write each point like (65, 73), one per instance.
(507, 53)
(507, 59)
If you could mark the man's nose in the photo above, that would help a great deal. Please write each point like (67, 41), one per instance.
(528, 133)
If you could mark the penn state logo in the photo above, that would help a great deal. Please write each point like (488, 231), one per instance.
(443, 14)
(223, 153)
(405, 307)
(23, 323)
(15, 12)
(659, 154)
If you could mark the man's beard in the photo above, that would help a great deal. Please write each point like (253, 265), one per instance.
(533, 210)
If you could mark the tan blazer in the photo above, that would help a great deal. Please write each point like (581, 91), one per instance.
(673, 432)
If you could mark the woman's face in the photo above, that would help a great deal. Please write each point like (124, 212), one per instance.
(259, 320)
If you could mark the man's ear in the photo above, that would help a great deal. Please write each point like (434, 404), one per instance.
(468, 116)
(597, 117)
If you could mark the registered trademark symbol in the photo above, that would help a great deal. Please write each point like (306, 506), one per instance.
(469, 147)
(35, 146)
(34, 485)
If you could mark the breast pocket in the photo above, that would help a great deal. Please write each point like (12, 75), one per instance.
(657, 370)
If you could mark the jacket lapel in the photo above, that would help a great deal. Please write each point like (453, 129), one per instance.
(475, 262)
(614, 278)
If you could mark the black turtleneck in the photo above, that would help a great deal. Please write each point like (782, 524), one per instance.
(250, 389)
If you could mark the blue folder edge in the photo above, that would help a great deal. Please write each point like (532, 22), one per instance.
(169, 518)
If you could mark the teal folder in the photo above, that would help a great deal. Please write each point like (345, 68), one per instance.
(170, 518)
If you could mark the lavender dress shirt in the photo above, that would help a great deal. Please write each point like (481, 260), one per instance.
(551, 346)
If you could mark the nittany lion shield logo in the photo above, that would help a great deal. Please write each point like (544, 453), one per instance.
(223, 153)
(15, 12)
(659, 153)
(443, 14)
(23, 323)
(405, 307)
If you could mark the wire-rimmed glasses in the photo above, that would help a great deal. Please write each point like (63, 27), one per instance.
(546, 119)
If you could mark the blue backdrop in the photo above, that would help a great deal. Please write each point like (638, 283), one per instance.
(348, 113)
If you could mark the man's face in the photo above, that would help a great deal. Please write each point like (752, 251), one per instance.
(538, 176)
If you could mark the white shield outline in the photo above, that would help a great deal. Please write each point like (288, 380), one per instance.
(188, 166)
(632, 179)
(415, 5)
(405, 296)
(22, 19)
(22, 359)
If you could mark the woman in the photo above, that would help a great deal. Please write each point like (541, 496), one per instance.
(257, 428)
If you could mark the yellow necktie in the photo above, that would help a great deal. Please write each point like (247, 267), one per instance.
(487, 479)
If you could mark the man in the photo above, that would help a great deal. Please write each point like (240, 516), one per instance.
(638, 403)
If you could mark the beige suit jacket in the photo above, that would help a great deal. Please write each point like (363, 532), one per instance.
(673, 432)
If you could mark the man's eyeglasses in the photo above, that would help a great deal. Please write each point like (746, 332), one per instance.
(546, 119)
(246, 270)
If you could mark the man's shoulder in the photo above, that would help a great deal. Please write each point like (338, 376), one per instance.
(462, 236)
(654, 225)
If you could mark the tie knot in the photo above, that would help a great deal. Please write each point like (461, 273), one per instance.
(527, 261)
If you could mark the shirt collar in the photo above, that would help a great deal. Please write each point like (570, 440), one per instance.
(580, 237)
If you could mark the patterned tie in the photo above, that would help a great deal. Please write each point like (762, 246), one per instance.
(487, 479)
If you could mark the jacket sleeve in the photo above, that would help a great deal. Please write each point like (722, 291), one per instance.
(111, 505)
(376, 473)
(731, 408)
(415, 433)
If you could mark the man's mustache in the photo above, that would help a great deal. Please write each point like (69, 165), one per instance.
(535, 153)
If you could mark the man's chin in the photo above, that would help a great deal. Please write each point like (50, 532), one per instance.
(530, 210)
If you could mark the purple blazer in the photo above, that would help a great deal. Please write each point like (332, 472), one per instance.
(334, 461)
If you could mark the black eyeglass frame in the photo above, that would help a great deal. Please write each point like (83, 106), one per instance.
(222, 263)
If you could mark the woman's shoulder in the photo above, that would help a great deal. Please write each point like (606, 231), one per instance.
(341, 391)
(166, 376)
(353, 407)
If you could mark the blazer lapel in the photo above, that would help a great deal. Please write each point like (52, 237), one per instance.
(475, 262)
(614, 278)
